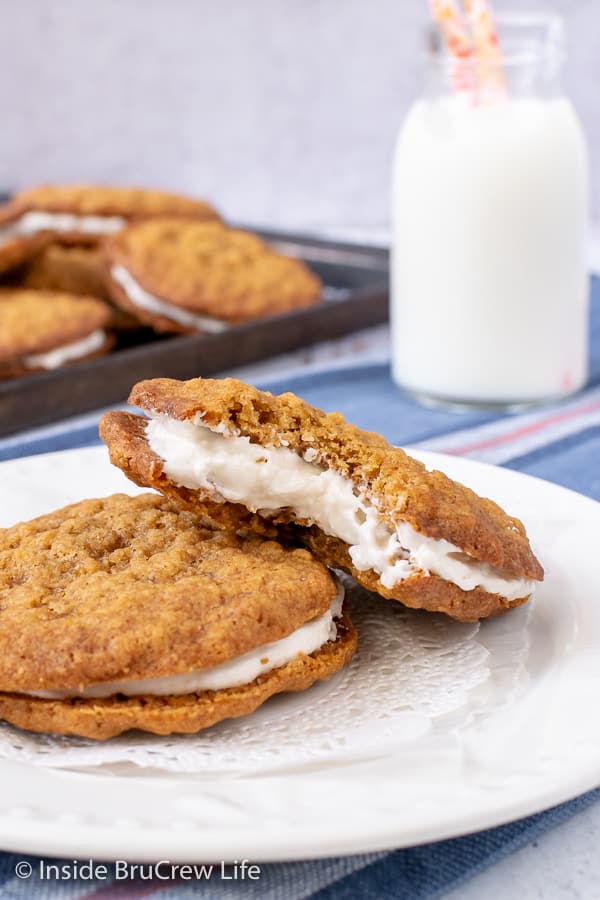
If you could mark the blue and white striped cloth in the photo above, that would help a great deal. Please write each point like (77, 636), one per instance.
(560, 443)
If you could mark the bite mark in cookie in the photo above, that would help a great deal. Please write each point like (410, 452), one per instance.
(246, 457)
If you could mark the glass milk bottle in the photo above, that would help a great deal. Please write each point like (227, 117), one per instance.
(489, 295)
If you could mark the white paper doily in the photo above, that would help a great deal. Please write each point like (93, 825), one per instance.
(412, 669)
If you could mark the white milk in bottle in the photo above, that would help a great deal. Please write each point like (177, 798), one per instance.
(489, 286)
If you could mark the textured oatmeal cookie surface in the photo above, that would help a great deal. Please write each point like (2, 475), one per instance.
(403, 489)
(134, 587)
(207, 269)
(181, 714)
(125, 589)
(104, 200)
(34, 322)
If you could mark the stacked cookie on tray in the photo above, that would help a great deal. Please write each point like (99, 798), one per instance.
(172, 611)
(148, 258)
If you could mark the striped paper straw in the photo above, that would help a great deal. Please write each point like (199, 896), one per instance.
(451, 23)
(487, 49)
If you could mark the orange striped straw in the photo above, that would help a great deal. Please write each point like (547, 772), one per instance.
(451, 23)
(487, 49)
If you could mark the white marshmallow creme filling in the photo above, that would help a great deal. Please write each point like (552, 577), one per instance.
(234, 673)
(144, 300)
(53, 359)
(33, 222)
(267, 479)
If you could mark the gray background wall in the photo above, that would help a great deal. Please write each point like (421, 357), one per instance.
(282, 111)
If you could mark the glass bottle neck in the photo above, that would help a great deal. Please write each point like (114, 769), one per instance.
(529, 63)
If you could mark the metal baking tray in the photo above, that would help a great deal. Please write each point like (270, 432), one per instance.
(356, 296)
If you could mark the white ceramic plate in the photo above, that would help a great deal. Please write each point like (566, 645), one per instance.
(539, 750)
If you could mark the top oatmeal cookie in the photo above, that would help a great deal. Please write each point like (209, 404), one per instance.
(253, 460)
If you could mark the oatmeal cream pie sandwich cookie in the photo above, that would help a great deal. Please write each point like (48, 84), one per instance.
(251, 460)
(74, 269)
(82, 214)
(126, 612)
(41, 330)
(182, 275)
(71, 268)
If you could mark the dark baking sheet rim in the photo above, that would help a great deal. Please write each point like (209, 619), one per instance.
(45, 397)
